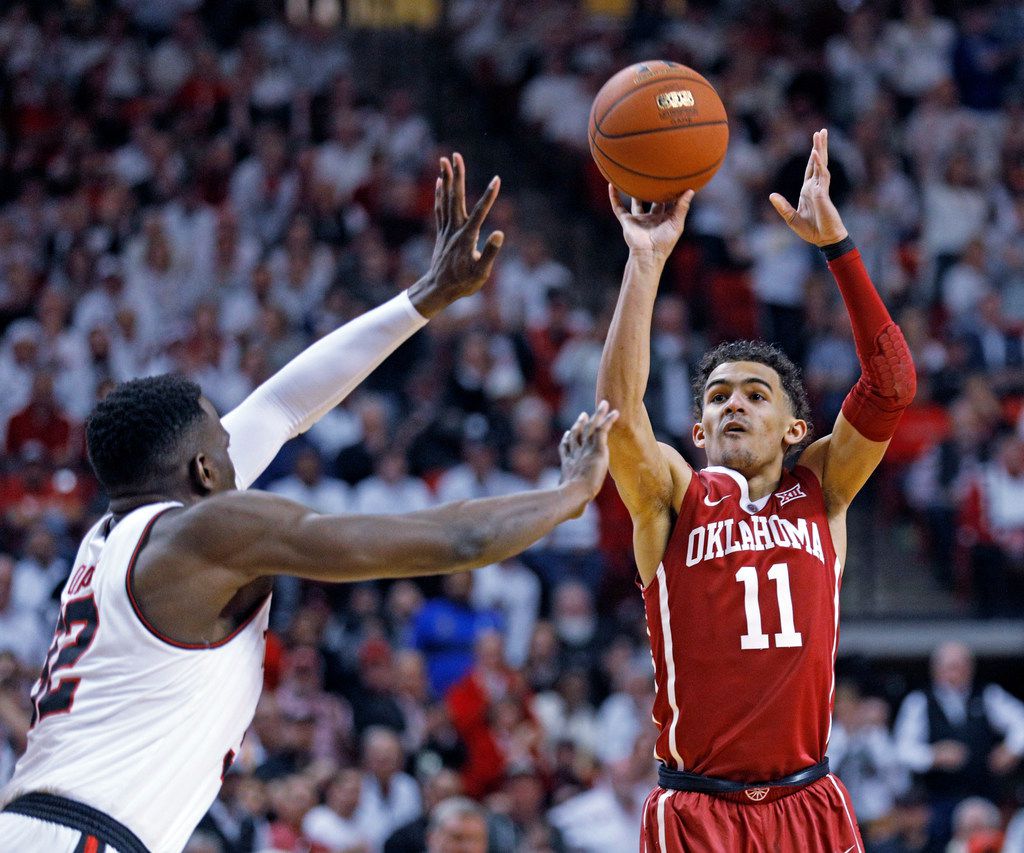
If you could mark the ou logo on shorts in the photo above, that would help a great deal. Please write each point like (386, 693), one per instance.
(756, 794)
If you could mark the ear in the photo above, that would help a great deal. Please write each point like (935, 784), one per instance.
(698, 434)
(796, 433)
(201, 474)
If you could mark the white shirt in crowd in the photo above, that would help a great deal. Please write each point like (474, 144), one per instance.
(376, 496)
(1005, 714)
(328, 495)
(382, 814)
(596, 820)
(324, 826)
(869, 767)
(514, 591)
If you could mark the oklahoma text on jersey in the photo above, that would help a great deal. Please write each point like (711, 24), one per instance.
(730, 536)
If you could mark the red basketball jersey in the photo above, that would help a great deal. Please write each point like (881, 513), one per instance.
(743, 619)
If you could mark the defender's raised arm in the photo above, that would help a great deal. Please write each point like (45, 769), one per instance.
(316, 380)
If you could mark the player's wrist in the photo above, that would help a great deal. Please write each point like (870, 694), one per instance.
(648, 259)
(426, 298)
(836, 245)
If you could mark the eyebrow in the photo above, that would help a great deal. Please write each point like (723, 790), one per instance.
(750, 379)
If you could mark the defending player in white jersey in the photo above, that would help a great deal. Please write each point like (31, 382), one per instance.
(156, 664)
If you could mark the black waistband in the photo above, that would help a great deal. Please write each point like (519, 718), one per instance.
(54, 809)
(680, 780)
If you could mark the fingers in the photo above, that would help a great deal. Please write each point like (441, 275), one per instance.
(453, 203)
(636, 207)
(821, 174)
(618, 208)
(483, 205)
(784, 208)
(810, 160)
(579, 427)
(681, 206)
(438, 206)
(446, 190)
(571, 438)
(460, 186)
(823, 147)
(490, 251)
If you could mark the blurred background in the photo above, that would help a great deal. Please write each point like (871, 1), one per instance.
(209, 187)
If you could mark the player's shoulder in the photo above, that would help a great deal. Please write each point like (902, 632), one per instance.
(215, 523)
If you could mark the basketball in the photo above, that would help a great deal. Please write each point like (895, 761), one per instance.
(658, 129)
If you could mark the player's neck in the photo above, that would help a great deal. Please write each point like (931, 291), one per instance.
(124, 503)
(760, 481)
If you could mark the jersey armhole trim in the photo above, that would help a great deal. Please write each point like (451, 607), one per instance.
(150, 627)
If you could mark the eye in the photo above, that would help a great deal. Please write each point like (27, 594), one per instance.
(718, 398)
(757, 396)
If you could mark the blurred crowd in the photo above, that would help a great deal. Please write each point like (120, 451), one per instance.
(209, 187)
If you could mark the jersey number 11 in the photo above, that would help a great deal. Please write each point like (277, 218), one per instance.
(755, 638)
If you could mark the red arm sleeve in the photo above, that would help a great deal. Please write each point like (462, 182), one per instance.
(888, 380)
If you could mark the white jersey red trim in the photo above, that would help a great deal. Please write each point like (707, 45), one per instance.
(127, 720)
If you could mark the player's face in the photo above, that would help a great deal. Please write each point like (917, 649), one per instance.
(748, 420)
(219, 470)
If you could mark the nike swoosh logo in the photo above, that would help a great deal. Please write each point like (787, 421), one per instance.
(851, 847)
(716, 503)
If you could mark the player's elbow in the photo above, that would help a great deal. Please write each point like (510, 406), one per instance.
(896, 377)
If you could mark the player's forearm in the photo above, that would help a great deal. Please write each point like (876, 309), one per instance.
(888, 380)
(313, 383)
(626, 359)
(460, 536)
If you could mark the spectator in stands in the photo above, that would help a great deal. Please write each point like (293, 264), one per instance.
(992, 528)
(457, 824)
(621, 719)
(438, 786)
(21, 632)
(390, 795)
(909, 826)
(301, 696)
(605, 817)
(391, 489)
(39, 575)
(374, 694)
(338, 824)
(956, 736)
(309, 486)
(977, 826)
(447, 629)
(861, 753)
(511, 589)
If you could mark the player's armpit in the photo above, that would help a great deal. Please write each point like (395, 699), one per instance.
(843, 461)
(652, 485)
(647, 473)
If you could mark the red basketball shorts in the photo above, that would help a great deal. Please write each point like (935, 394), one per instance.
(814, 819)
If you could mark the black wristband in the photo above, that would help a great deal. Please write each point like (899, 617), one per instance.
(839, 249)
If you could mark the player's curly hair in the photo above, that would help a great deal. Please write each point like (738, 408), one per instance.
(763, 353)
(132, 434)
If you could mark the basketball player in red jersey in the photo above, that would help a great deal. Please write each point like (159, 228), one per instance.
(741, 562)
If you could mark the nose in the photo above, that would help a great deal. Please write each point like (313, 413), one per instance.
(735, 403)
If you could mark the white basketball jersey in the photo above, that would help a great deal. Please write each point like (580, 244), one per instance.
(124, 720)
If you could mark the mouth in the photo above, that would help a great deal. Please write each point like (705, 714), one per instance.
(734, 428)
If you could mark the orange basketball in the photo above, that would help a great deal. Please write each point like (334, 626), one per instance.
(658, 129)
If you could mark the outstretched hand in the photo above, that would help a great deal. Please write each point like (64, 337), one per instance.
(815, 218)
(584, 448)
(654, 233)
(457, 267)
